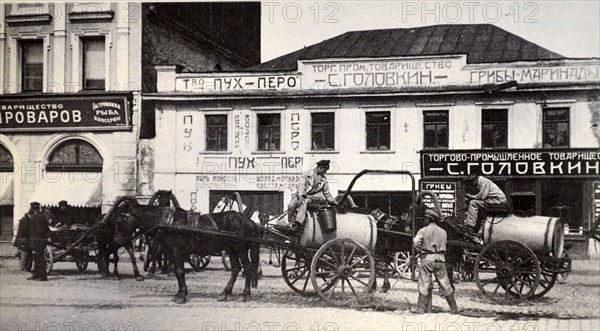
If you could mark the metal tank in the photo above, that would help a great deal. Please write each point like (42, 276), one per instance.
(361, 228)
(544, 235)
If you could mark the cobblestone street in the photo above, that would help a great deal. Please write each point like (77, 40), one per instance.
(72, 301)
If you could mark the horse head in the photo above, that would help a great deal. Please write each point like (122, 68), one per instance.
(163, 198)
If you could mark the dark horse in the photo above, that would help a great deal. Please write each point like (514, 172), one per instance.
(182, 233)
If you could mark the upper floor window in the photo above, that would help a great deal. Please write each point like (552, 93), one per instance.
(494, 128)
(378, 130)
(93, 61)
(32, 65)
(216, 132)
(555, 127)
(323, 131)
(77, 155)
(269, 132)
(435, 129)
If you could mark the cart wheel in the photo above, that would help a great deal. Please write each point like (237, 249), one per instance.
(199, 263)
(507, 272)
(49, 259)
(403, 263)
(225, 260)
(343, 272)
(547, 281)
(295, 268)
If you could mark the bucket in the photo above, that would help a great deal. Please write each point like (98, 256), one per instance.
(327, 220)
(544, 235)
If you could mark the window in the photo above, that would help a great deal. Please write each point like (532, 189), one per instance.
(93, 63)
(392, 203)
(216, 132)
(555, 127)
(323, 131)
(494, 128)
(269, 134)
(32, 68)
(378, 130)
(75, 155)
(6, 160)
(435, 129)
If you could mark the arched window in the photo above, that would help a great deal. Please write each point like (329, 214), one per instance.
(75, 155)
(6, 160)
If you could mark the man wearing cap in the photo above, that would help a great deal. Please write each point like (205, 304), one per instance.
(430, 241)
(312, 184)
(63, 217)
(22, 238)
(488, 194)
(39, 233)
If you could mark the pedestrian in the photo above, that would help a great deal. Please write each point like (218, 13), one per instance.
(22, 239)
(430, 241)
(39, 233)
(488, 194)
(313, 184)
(64, 215)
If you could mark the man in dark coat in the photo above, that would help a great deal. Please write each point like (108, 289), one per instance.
(39, 233)
(64, 215)
(22, 238)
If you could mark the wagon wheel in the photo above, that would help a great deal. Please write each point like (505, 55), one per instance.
(342, 272)
(81, 261)
(295, 269)
(199, 262)
(507, 272)
(403, 262)
(226, 261)
(49, 259)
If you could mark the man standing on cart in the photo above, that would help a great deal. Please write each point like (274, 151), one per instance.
(430, 241)
(312, 184)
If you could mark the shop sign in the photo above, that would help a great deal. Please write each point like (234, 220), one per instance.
(65, 113)
(236, 82)
(512, 163)
(446, 194)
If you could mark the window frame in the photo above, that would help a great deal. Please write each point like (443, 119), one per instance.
(312, 131)
(206, 134)
(77, 166)
(86, 38)
(258, 126)
(446, 123)
(494, 124)
(555, 123)
(21, 44)
(389, 127)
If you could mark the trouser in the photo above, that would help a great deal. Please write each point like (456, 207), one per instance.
(429, 268)
(297, 210)
(26, 260)
(475, 206)
(39, 262)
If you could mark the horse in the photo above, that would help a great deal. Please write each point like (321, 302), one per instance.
(155, 256)
(179, 239)
(109, 241)
(234, 202)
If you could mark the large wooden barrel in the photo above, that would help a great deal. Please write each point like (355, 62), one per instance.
(361, 228)
(544, 235)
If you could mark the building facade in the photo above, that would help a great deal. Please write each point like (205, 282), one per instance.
(442, 102)
(70, 84)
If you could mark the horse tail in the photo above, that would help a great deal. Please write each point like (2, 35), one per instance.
(255, 262)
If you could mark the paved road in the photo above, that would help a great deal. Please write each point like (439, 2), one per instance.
(74, 301)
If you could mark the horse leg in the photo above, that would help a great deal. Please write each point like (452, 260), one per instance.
(136, 272)
(255, 264)
(251, 275)
(235, 270)
(179, 266)
(103, 260)
(116, 271)
(386, 282)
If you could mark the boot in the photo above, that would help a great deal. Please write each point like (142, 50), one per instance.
(452, 303)
(421, 303)
(429, 305)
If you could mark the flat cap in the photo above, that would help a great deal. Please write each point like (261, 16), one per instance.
(63, 203)
(323, 163)
(34, 204)
(430, 213)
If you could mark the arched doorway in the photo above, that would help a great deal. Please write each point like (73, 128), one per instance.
(7, 203)
(73, 177)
